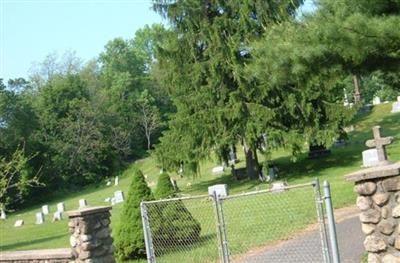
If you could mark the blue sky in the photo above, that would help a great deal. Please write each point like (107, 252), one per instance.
(32, 29)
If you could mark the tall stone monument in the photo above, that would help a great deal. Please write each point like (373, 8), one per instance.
(378, 190)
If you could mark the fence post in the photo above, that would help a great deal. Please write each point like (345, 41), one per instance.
(331, 223)
(321, 220)
(221, 229)
(147, 234)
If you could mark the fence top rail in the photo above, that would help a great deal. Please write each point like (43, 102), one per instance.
(267, 191)
(229, 196)
(176, 199)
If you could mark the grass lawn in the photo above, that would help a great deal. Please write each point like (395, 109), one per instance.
(343, 160)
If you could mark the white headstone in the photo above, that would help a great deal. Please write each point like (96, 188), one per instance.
(57, 216)
(3, 215)
(19, 223)
(107, 200)
(45, 209)
(116, 181)
(218, 170)
(396, 106)
(108, 183)
(219, 189)
(278, 187)
(82, 203)
(370, 157)
(60, 207)
(112, 200)
(118, 197)
(376, 101)
(39, 218)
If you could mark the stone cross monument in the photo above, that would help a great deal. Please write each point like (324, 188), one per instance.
(378, 190)
(380, 142)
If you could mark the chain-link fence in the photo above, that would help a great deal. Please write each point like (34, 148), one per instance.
(262, 226)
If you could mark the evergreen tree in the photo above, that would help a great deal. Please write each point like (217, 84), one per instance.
(202, 68)
(129, 237)
(172, 223)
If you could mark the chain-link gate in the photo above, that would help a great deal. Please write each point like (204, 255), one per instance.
(261, 226)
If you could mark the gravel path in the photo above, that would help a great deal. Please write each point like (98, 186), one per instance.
(307, 247)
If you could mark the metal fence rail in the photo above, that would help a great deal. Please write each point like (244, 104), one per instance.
(261, 226)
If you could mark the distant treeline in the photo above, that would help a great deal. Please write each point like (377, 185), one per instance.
(72, 124)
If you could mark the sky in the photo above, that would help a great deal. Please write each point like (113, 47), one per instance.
(32, 29)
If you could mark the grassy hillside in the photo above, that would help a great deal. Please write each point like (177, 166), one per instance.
(342, 161)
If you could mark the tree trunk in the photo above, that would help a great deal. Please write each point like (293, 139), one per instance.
(252, 166)
(357, 88)
(148, 142)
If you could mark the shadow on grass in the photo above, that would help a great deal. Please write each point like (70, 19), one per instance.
(15, 246)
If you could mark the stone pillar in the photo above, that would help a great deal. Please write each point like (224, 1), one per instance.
(378, 190)
(90, 235)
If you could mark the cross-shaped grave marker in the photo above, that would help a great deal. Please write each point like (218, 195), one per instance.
(379, 143)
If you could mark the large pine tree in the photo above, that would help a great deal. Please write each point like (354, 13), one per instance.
(202, 67)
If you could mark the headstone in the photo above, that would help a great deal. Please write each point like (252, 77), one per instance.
(82, 203)
(57, 216)
(232, 156)
(107, 200)
(376, 101)
(396, 105)
(380, 143)
(279, 187)
(39, 218)
(116, 181)
(271, 174)
(161, 170)
(220, 189)
(61, 207)
(370, 158)
(218, 170)
(112, 200)
(174, 184)
(45, 209)
(340, 143)
(108, 183)
(19, 223)
(118, 197)
(3, 215)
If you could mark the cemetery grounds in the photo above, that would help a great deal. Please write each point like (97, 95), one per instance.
(343, 160)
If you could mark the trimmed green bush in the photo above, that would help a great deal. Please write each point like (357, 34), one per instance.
(172, 223)
(129, 239)
(164, 189)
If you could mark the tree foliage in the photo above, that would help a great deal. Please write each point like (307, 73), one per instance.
(129, 238)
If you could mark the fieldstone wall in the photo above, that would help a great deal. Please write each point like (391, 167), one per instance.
(378, 199)
(90, 235)
(90, 241)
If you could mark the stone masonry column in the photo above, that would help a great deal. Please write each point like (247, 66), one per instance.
(378, 190)
(90, 235)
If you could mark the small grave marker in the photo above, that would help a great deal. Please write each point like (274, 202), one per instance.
(57, 216)
(218, 170)
(396, 105)
(60, 207)
(19, 223)
(3, 215)
(108, 183)
(370, 157)
(116, 182)
(45, 209)
(107, 200)
(279, 187)
(39, 218)
(376, 101)
(220, 190)
(82, 203)
(118, 197)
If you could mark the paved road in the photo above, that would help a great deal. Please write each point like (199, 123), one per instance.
(307, 247)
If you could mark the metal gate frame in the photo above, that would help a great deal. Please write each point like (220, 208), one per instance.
(328, 237)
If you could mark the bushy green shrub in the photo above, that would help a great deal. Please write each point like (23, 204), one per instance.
(172, 223)
(129, 239)
(164, 189)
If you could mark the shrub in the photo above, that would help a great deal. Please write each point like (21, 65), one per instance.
(164, 189)
(129, 239)
(172, 222)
